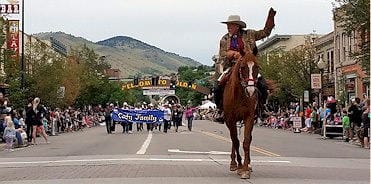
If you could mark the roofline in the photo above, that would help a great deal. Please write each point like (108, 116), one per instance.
(325, 38)
(272, 40)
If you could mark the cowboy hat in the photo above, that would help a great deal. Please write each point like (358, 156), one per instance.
(235, 19)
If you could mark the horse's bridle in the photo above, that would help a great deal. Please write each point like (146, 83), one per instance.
(248, 84)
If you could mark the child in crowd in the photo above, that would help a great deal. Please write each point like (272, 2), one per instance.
(346, 125)
(272, 120)
(9, 133)
(282, 123)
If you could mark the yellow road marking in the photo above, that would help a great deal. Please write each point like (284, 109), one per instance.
(253, 148)
(266, 151)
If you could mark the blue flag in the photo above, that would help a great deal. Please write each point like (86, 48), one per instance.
(138, 116)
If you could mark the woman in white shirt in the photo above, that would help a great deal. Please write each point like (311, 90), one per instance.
(167, 116)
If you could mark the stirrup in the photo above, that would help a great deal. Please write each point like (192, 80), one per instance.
(262, 112)
(220, 116)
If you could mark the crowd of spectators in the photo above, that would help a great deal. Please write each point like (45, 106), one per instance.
(354, 119)
(22, 127)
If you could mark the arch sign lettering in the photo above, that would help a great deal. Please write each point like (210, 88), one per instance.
(164, 84)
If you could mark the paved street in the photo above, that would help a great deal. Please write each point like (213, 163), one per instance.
(200, 156)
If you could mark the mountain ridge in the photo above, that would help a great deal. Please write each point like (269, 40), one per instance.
(128, 54)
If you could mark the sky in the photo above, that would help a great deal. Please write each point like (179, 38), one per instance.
(190, 28)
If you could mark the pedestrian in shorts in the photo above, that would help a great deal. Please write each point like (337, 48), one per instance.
(346, 125)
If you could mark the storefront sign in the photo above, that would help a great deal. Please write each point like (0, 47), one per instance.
(350, 84)
(9, 8)
(315, 81)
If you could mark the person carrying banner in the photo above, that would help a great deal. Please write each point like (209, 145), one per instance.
(124, 124)
(108, 118)
(149, 125)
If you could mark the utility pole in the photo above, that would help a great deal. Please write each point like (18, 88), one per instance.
(22, 57)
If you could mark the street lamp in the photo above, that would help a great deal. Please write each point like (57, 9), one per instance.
(321, 66)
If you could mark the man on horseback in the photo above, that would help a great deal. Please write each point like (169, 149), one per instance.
(233, 45)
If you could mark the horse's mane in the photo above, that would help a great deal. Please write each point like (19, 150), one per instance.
(235, 79)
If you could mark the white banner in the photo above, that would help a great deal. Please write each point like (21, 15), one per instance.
(156, 87)
(158, 92)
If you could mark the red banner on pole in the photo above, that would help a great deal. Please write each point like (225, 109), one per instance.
(13, 37)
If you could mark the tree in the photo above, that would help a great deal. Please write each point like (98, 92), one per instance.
(45, 71)
(290, 70)
(197, 75)
(94, 87)
(88, 85)
(355, 17)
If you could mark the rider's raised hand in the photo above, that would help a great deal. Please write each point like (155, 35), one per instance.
(272, 12)
(269, 24)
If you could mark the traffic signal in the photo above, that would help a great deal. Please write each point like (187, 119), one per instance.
(189, 84)
(155, 80)
(136, 81)
(172, 84)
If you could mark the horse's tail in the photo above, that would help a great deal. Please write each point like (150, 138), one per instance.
(272, 86)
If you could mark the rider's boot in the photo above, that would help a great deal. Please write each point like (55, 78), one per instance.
(262, 111)
(218, 98)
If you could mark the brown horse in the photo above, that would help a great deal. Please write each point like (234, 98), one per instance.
(240, 100)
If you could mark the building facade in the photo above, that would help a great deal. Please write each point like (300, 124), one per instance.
(112, 74)
(324, 47)
(343, 77)
(350, 79)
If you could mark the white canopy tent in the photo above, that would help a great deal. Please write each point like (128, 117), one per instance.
(207, 105)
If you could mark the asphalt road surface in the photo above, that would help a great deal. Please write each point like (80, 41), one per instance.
(200, 156)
